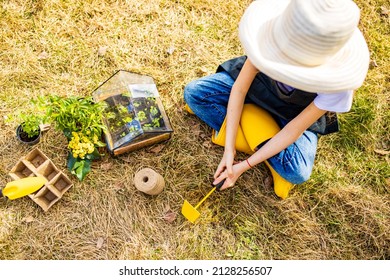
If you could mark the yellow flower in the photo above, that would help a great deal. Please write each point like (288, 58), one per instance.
(81, 145)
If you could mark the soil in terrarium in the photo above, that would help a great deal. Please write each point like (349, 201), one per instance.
(148, 113)
(129, 118)
(121, 119)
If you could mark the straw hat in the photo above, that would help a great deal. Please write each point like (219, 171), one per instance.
(312, 45)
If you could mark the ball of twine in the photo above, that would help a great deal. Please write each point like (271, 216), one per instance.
(149, 181)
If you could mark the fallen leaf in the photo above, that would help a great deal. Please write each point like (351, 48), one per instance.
(129, 159)
(169, 216)
(373, 64)
(203, 136)
(207, 144)
(382, 152)
(29, 219)
(268, 182)
(118, 185)
(43, 55)
(194, 123)
(384, 11)
(196, 130)
(106, 165)
(102, 50)
(44, 127)
(157, 149)
(170, 50)
(65, 76)
(99, 243)
(204, 70)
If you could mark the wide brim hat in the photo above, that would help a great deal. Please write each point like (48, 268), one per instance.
(312, 45)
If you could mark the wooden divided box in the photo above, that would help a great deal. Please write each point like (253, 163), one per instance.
(36, 163)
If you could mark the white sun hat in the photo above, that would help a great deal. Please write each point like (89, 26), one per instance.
(312, 45)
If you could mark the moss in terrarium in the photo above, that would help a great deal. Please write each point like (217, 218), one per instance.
(121, 109)
(127, 119)
(156, 122)
(141, 116)
(154, 111)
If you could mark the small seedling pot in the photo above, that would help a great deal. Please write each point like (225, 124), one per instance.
(23, 137)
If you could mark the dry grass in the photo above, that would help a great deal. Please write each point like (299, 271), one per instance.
(47, 47)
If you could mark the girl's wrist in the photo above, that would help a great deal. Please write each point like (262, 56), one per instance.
(229, 150)
(244, 166)
(248, 163)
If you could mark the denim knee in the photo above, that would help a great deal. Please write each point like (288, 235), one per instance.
(302, 175)
(190, 93)
(296, 174)
(295, 163)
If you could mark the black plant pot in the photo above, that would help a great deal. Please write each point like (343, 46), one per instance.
(23, 137)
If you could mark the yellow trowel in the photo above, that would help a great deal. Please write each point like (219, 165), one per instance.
(22, 187)
(190, 212)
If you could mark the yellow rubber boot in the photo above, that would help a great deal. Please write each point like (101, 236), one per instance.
(258, 126)
(188, 109)
(241, 143)
(281, 186)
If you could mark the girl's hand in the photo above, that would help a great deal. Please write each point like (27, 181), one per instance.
(226, 163)
(230, 180)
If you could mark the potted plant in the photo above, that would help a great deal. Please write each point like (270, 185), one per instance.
(28, 131)
(81, 121)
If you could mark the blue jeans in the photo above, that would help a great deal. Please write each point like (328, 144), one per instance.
(208, 98)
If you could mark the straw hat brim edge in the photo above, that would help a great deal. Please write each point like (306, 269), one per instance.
(346, 70)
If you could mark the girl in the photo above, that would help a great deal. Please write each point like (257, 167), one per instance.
(303, 60)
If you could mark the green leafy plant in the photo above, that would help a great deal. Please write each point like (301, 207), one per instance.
(30, 124)
(81, 121)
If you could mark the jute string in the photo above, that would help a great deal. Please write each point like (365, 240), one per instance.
(149, 181)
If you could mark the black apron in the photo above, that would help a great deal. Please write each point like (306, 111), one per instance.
(265, 93)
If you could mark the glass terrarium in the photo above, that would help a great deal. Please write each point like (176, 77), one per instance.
(135, 116)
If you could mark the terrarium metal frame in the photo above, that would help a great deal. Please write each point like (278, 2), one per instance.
(135, 116)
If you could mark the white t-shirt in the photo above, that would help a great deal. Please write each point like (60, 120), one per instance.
(340, 102)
